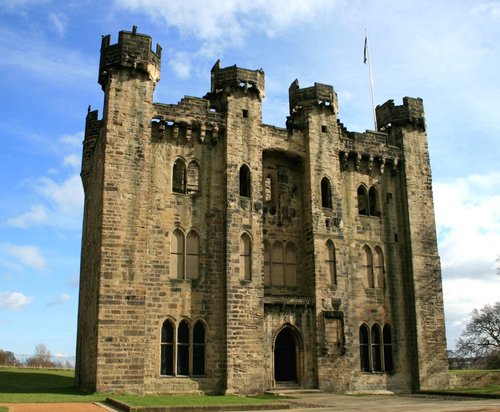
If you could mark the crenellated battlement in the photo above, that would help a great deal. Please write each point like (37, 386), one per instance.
(231, 78)
(317, 95)
(133, 51)
(411, 112)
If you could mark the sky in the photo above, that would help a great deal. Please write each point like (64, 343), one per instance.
(446, 52)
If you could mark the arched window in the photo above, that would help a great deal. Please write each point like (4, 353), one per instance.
(368, 267)
(376, 349)
(277, 275)
(387, 337)
(183, 348)
(167, 348)
(267, 263)
(326, 193)
(290, 264)
(245, 183)
(177, 254)
(199, 348)
(179, 177)
(192, 255)
(362, 201)
(245, 257)
(378, 268)
(193, 177)
(373, 209)
(364, 349)
(331, 262)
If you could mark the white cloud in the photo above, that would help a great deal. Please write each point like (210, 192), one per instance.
(28, 256)
(58, 300)
(59, 21)
(181, 64)
(36, 215)
(24, 53)
(468, 225)
(13, 300)
(67, 195)
(73, 141)
(461, 296)
(72, 160)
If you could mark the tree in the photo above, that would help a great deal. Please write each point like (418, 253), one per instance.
(42, 357)
(481, 337)
(7, 358)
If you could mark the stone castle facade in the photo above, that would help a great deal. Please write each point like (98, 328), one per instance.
(224, 255)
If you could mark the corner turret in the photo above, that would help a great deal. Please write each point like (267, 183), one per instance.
(133, 51)
(411, 112)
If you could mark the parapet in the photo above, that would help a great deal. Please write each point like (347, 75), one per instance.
(231, 78)
(317, 95)
(411, 112)
(133, 51)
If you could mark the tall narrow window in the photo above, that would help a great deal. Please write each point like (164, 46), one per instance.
(378, 268)
(277, 278)
(373, 202)
(362, 201)
(368, 267)
(183, 348)
(167, 348)
(290, 265)
(199, 348)
(179, 177)
(387, 337)
(193, 177)
(245, 186)
(245, 257)
(177, 254)
(331, 262)
(192, 255)
(326, 193)
(267, 263)
(364, 349)
(376, 349)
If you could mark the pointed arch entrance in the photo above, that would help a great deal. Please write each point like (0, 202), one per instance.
(286, 356)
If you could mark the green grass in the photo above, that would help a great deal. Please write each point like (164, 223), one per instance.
(487, 390)
(472, 371)
(56, 385)
(4, 409)
(41, 385)
(193, 400)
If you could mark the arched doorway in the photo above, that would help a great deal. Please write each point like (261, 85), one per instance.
(285, 356)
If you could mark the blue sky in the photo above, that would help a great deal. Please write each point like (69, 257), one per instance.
(446, 52)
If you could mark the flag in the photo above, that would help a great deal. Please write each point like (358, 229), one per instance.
(366, 49)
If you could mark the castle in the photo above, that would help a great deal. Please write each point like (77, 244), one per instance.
(223, 255)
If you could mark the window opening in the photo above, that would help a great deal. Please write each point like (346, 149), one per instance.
(245, 181)
(331, 262)
(387, 338)
(167, 348)
(179, 177)
(326, 193)
(183, 348)
(290, 265)
(277, 278)
(368, 266)
(379, 268)
(362, 203)
(267, 263)
(373, 202)
(376, 349)
(199, 348)
(364, 352)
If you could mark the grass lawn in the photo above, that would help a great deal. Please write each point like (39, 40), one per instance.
(194, 400)
(41, 385)
(487, 390)
(56, 385)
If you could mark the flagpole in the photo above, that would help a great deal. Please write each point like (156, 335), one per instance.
(367, 58)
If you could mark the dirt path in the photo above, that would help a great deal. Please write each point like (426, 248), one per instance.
(55, 407)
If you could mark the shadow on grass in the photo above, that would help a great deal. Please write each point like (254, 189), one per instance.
(36, 382)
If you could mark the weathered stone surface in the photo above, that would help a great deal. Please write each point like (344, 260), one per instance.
(282, 244)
